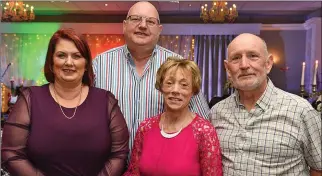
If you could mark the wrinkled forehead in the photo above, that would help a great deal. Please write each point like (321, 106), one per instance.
(242, 45)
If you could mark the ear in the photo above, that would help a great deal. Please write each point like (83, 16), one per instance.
(124, 26)
(160, 28)
(227, 69)
(269, 63)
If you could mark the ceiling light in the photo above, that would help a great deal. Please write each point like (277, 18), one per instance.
(219, 13)
(17, 11)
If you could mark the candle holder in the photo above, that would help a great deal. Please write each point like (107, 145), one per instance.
(302, 91)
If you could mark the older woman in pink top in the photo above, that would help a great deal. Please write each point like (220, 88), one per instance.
(177, 142)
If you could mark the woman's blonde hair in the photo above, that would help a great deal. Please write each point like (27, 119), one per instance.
(185, 64)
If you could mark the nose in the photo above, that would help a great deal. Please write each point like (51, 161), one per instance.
(175, 88)
(69, 61)
(143, 23)
(244, 62)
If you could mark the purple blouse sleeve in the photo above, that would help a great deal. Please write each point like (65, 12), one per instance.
(14, 139)
(120, 140)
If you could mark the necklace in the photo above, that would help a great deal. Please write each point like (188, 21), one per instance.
(172, 135)
(80, 95)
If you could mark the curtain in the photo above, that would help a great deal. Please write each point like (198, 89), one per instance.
(26, 53)
(181, 44)
(210, 51)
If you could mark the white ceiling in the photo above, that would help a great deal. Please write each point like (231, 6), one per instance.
(121, 7)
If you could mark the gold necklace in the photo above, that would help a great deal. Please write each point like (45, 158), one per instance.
(80, 95)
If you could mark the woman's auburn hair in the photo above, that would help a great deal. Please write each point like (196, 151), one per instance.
(82, 46)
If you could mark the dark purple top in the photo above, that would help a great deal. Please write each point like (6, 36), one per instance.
(93, 142)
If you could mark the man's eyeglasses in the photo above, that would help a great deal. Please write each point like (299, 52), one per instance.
(150, 21)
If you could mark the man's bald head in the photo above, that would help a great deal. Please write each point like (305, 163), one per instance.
(147, 6)
(245, 37)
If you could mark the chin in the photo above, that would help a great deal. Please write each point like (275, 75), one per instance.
(246, 86)
(177, 108)
(69, 79)
(140, 43)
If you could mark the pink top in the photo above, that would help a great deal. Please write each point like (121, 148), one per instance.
(194, 152)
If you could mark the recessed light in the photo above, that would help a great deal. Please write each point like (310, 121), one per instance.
(189, 5)
(106, 5)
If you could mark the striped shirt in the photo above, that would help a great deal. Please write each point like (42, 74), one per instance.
(280, 136)
(137, 97)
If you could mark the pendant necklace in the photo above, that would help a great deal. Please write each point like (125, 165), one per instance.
(61, 109)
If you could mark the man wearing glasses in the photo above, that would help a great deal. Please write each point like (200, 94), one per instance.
(129, 71)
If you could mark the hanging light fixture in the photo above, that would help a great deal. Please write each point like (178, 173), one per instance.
(17, 11)
(218, 13)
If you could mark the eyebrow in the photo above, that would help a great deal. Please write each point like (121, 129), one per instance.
(68, 52)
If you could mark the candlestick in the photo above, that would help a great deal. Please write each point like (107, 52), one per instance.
(303, 73)
(302, 93)
(315, 72)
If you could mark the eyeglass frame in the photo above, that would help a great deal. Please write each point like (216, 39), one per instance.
(141, 19)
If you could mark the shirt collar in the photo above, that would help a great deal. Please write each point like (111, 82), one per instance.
(264, 101)
(128, 54)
